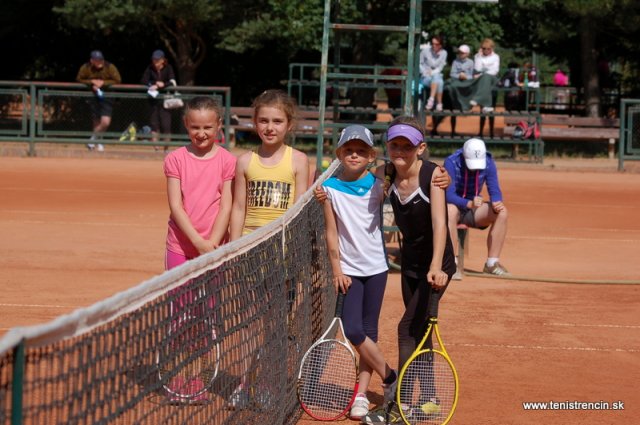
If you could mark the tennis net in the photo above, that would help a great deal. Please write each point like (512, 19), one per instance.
(217, 340)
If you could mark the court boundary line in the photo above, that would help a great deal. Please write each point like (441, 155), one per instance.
(475, 273)
(542, 347)
(576, 325)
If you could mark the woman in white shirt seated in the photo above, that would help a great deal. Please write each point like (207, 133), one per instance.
(486, 65)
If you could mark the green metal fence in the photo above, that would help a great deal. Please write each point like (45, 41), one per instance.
(629, 131)
(55, 112)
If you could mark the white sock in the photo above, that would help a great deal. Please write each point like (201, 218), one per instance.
(491, 261)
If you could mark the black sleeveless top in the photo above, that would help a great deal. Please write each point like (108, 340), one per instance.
(413, 218)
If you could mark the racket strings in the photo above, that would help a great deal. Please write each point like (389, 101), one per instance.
(327, 379)
(189, 358)
(428, 389)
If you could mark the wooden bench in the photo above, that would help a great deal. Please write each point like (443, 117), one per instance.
(564, 127)
(307, 122)
(534, 147)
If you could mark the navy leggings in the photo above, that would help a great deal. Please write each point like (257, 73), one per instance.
(362, 307)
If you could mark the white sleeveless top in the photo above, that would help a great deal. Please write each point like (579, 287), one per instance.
(358, 209)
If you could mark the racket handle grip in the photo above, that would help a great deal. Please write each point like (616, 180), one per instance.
(339, 304)
(434, 301)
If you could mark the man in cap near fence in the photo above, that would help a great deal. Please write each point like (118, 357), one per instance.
(470, 168)
(99, 74)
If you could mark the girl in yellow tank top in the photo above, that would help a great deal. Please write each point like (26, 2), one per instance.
(269, 180)
(270, 190)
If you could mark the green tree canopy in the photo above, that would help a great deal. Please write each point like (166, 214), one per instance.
(178, 23)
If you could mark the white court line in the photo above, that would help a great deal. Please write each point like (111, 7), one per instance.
(82, 213)
(541, 347)
(23, 189)
(36, 305)
(577, 325)
(556, 205)
(84, 223)
(558, 238)
(594, 325)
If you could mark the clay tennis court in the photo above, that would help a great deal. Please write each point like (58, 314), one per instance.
(77, 230)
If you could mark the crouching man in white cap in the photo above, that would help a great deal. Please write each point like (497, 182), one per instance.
(470, 168)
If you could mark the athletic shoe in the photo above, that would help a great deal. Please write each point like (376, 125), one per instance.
(487, 109)
(389, 390)
(360, 407)
(91, 146)
(497, 269)
(100, 147)
(430, 103)
(378, 416)
(457, 275)
(439, 107)
(427, 412)
(473, 103)
(239, 398)
(196, 385)
(176, 386)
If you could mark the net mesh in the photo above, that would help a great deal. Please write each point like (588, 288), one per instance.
(217, 340)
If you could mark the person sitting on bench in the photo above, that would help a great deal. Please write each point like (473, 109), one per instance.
(470, 168)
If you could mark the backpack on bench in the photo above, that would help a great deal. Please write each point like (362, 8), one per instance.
(527, 130)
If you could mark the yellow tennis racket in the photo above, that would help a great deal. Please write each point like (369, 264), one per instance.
(428, 383)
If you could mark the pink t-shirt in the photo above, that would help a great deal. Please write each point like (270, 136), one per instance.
(201, 182)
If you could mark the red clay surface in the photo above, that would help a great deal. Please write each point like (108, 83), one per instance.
(76, 230)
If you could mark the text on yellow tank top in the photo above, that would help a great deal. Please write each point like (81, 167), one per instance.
(270, 190)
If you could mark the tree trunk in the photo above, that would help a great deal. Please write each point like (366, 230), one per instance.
(185, 64)
(589, 59)
(189, 52)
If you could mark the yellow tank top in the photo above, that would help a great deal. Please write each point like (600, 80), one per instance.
(270, 190)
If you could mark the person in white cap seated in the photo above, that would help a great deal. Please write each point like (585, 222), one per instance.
(462, 66)
(470, 168)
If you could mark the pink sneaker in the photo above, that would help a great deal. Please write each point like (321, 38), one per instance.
(196, 386)
(180, 391)
(176, 387)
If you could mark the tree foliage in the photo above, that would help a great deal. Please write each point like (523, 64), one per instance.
(178, 23)
(248, 44)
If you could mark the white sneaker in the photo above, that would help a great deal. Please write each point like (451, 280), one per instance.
(91, 146)
(457, 275)
(239, 399)
(473, 103)
(100, 147)
(430, 103)
(439, 107)
(487, 109)
(360, 407)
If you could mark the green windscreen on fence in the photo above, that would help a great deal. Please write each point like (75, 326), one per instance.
(217, 340)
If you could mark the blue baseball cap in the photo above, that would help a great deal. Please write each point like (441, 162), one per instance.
(158, 54)
(97, 55)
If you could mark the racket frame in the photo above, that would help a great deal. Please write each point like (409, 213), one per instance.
(432, 328)
(323, 339)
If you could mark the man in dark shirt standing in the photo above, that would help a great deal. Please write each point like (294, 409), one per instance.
(99, 74)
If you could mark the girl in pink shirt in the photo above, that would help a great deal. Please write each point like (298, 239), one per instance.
(199, 179)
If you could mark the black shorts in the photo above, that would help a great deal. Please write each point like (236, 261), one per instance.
(100, 108)
(468, 218)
